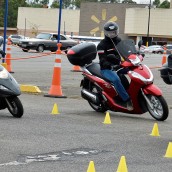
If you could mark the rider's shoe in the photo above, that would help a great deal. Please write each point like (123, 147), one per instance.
(121, 102)
(127, 104)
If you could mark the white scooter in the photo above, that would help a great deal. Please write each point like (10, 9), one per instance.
(9, 92)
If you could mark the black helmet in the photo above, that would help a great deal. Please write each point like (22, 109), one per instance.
(111, 29)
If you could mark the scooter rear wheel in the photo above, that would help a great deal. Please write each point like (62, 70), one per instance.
(100, 107)
(167, 81)
(160, 108)
(15, 106)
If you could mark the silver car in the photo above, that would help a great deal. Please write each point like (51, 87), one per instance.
(15, 39)
(156, 49)
(46, 41)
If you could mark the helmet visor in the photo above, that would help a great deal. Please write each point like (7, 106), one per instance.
(111, 34)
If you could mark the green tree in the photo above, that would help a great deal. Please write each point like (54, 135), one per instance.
(12, 12)
(13, 9)
(77, 3)
(44, 2)
(165, 4)
(55, 4)
(36, 3)
(156, 3)
(110, 1)
(65, 3)
(68, 3)
(128, 2)
(1, 13)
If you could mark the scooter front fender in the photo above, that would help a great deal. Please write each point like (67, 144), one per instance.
(152, 89)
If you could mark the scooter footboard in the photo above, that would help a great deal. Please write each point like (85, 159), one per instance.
(152, 89)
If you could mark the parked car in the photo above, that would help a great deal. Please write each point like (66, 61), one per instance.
(168, 48)
(154, 49)
(46, 41)
(15, 39)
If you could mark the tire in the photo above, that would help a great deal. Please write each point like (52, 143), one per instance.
(167, 80)
(40, 48)
(160, 108)
(15, 106)
(25, 50)
(98, 108)
(3, 104)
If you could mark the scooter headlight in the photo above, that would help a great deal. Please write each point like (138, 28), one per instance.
(4, 74)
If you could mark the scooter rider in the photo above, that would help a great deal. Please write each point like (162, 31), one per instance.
(109, 57)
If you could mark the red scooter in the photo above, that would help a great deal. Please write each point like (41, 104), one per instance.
(138, 81)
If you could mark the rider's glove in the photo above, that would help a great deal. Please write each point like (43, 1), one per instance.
(113, 59)
(116, 67)
(139, 53)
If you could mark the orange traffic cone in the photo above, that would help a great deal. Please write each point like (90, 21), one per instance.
(164, 58)
(55, 90)
(76, 69)
(8, 56)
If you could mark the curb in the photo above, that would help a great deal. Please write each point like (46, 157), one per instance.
(30, 89)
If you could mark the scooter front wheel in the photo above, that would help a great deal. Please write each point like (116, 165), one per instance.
(15, 106)
(159, 108)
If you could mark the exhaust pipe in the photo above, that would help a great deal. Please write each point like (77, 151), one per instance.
(91, 97)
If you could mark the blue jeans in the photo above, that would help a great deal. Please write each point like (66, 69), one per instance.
(114, 78)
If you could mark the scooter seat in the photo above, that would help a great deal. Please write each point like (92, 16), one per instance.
(94, 69)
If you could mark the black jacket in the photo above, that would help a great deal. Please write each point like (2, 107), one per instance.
(106, 47)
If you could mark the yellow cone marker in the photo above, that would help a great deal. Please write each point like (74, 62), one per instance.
(91, 167)
(55, 110)
(122, 167)
(155, 131)
(107, 119)
(169, 151)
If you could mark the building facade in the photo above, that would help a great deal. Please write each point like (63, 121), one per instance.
(32, 21)
(89, 20)
(136, 24)
(93, 16)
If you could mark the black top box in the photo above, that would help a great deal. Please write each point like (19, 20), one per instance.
(82, 54)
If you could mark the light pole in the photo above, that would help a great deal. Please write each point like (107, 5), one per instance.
(59, 23)
(5, 27)
(147, 43)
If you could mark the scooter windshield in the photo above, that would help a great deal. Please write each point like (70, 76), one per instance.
(126, 48)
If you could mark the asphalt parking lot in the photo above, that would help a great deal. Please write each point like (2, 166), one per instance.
(67, 142)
